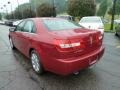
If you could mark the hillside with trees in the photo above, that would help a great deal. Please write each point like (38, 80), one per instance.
(77, 8)
(46, 10)
(60, 5)
(103, 8)
(80, 8)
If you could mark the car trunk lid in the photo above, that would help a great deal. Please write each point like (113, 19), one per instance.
(78, 42)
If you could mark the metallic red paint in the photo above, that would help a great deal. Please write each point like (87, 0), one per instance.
(59, 61)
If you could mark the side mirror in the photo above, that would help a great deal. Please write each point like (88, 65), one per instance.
(12, 29)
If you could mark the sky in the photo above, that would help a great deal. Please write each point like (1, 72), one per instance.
(13, 2)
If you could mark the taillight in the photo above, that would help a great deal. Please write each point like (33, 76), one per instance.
(65, 45)
(99, 37)
(69, 45)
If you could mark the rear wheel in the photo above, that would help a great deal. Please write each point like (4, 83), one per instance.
(11, 44)
(36, 62)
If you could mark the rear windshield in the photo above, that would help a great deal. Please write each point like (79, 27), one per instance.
(60, 24)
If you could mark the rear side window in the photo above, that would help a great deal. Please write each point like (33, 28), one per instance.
(60, 24)
(28, 26)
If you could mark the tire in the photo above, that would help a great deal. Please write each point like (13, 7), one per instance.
(11, 44)
(36, 63)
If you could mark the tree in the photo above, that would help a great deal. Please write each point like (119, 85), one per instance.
(99, 1)
(18, 14)
(117, 8)
(81, 8)
(59, 4)
(19, 11)
(103, 8)
(8, 16)
(110, 11)
(28, 13)
(46, 10)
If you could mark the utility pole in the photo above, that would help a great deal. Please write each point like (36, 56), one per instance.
(113, 14)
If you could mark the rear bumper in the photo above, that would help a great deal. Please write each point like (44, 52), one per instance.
(71, 65)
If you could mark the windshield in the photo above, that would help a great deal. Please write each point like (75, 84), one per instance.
(60, 24)
(90, 20)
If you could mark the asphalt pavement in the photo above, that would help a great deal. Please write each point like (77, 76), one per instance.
(16, 72)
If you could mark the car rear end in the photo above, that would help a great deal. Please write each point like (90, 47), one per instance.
(73, 49)
(78, 53)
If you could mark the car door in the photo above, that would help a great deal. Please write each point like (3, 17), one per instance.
(16, 35)
(26, 35)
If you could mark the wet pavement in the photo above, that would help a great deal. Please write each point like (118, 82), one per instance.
(16, 72)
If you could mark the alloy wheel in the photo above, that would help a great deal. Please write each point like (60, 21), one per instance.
(35, 62)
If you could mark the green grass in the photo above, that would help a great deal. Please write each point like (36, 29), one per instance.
(107, 27)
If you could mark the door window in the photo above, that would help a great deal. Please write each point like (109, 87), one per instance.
(28, 26)
(20, 26)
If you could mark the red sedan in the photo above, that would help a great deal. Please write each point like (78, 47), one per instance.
(57, 45)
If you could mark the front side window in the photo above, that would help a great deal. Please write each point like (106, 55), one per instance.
(20, 26)
(60, 24)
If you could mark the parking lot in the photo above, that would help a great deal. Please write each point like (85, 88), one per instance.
(16, 72)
